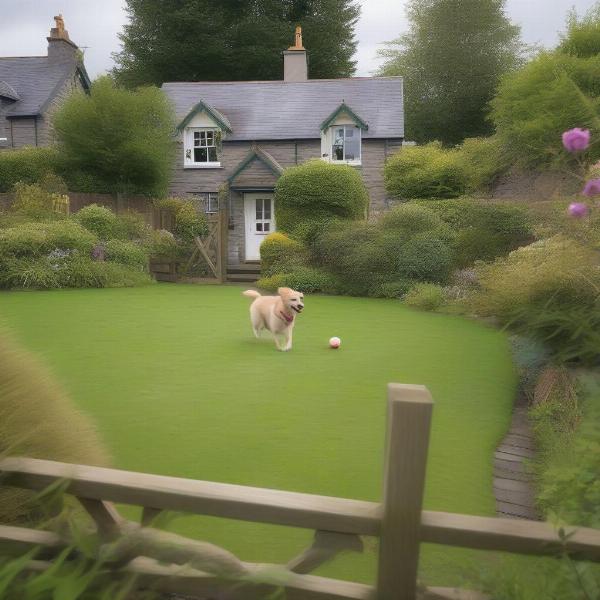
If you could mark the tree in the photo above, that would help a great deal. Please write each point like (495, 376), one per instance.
(117, 140)
(452, 60)
(556, 91)
(219, 40)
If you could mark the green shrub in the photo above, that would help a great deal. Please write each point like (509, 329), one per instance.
(428, 171)
(319, 190)
(425, 296)
(309, 230)
(126, 253)
(549, 291)
(134, 226)
(483, 160)
(410, 219)
(391, 289)
(162, 244)
(281, 254)
(38, 420)
(425, 257)
(100, 220)
(303, 279)
(35, 239)
(35, 203)
(189, 223)
(27, 165)
(483, 231)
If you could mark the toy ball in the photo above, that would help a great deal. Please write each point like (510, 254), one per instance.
(335, 343)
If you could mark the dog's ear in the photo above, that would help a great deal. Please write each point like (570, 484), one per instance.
(284, 291)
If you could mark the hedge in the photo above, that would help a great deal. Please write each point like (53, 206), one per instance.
(28, 165)
(281, 254)
(319, 190)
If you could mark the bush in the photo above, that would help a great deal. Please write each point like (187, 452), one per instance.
(281, 254)
(188, 222)
(39, 421)
(100, 220)
(35, 203)
(391, 289)
(35, 239)
(425, 296)
(27, 165)
(427, 171)
(126, 253)
(483, 160)
(410, 219)
(303, 279)
(321, 190)
(484, 231)
(549, 291)
(162, 244)
(134, 226)
(425, 257)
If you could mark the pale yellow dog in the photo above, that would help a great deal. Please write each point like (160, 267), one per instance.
(276, 314)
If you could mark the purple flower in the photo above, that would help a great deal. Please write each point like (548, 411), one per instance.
(592, 188)
(578, 210)
(576, 140)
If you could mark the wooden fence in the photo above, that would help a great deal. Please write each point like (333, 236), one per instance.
(398, 521)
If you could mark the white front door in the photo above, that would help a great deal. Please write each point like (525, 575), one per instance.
(259, 211)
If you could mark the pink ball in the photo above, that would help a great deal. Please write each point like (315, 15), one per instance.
(335, 343)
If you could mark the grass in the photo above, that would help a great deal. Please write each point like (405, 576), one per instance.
(178, 386)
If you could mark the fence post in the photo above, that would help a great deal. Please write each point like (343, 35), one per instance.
(407, 441)
(223, 241)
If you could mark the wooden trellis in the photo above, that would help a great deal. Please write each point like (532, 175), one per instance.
(213, 247)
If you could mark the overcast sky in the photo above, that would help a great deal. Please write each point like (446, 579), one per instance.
(24, 25)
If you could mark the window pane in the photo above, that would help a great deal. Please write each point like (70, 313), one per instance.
(267, 202)
(337, 147)
(352, 143)
(259, 209)
(259, 227)
(213, 202)
(337, 151)
(196, 138)
(200, 155)
(210, 138)
(267, 227)
(212, 154)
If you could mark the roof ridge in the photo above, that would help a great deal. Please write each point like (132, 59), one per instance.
(282, 82)
(32, 56)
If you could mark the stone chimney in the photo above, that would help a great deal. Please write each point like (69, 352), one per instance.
(60, 46)
(295, 61)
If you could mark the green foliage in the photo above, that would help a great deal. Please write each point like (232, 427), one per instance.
(410, 219)
(117, 140)
(35, 239)
(188, 222)
(126, 253)
(39, 421)
(28, 165)
(483, 160)
(452, 59)
(134, 226)
(304, 279)
(425, 296)
(483, 231)
(281, 254)
(556, 91)
(100, 220)
(160, 42)
(162, 244)
(321, 191)
(425, 257)
(425, 172)
(582, 37)
(391, 289)
(549, 291)
(33, 202)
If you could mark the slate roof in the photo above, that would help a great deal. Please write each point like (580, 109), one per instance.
(35, 79)
(276, 110)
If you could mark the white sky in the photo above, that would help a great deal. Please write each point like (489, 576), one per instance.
(24, 25)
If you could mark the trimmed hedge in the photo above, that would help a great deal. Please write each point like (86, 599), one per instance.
(28, 165)
(281, 254)
(126, 253)
(427, 171)
(425, 296)
(321, 190)
(304, 279)
(100, 220)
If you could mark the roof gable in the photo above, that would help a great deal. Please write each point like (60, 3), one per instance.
(278, 110)
(257, 162)
(7, 91)
(220, 119)
(343, 108)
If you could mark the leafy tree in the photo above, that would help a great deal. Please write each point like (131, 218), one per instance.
(216, 40)
(556, 91)
(452, 59)
(117, 140)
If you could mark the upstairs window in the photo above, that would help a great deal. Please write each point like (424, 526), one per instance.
(201, 147)
(345, 144)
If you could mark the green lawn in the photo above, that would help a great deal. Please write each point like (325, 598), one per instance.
(178, 386)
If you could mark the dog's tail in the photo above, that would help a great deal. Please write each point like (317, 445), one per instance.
(251, 294)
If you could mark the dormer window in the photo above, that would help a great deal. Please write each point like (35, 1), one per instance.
(345, 144)
(204, 146)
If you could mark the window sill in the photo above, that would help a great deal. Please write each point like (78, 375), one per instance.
(214, 165)
(350, 163)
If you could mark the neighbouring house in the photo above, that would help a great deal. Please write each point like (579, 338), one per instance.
(244, 133)
(32, 86)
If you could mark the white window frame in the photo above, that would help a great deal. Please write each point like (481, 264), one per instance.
(327, 145)
(211, 202)
(193, 139)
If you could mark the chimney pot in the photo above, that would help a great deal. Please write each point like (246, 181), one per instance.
(295, 60)
(60, 46)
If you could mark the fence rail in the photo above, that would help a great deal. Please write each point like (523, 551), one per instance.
(398, 521)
